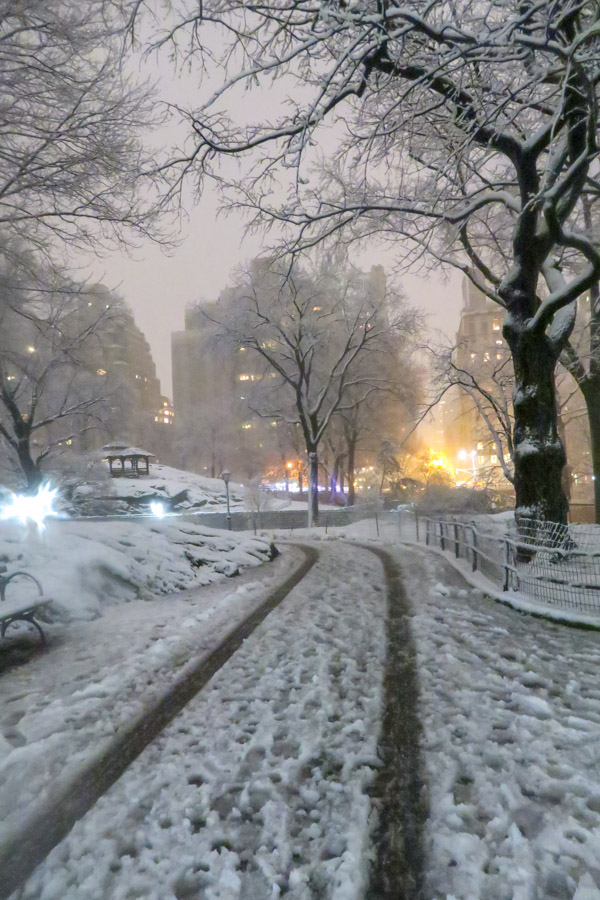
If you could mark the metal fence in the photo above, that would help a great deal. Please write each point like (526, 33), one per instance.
(557, 565)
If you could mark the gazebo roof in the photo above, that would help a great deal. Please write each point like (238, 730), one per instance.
(123, 452)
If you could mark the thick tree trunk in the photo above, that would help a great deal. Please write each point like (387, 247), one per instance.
(591, 394)
(33, 476)
(313, 488)
(539, 455)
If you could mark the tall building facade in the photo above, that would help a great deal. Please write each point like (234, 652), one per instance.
(212, 381)
(114, 349)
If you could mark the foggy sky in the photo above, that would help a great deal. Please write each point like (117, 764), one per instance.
(158, 286)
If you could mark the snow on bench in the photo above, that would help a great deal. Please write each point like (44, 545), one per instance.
(21, 609)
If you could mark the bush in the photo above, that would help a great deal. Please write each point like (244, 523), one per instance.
(441, 498)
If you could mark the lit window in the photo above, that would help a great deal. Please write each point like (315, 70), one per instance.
(166, 421)
(165, 402)
(317, 308)
(31, 349)
(498, 356)
(498, 343)
(493, 459)
(274, 423)
(473, 356)
(101, 372)
(10, 377)
(156, 419)
(481, 460)
(69, 442)
(480, 446)
(486, 357)
(496, 325)
(242, 349)
(246, 426)
(243, 378)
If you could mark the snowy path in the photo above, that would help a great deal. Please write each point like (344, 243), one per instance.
(68, 702)
(260, 786)
(266, 783)
(511, 717)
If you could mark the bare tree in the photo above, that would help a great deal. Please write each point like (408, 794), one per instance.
(73, 170)
(488, 384)
(468, 128)
(581, 357)
(311, 329)
(51, 392)
(73, 174)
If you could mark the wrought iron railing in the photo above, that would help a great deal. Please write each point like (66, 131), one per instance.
(556, 565)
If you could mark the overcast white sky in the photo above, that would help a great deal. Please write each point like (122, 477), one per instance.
(158, 286)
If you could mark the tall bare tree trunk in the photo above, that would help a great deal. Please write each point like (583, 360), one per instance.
(590, 388)
(33, 476)
(313, 488)
(351, 465)
(539, 454)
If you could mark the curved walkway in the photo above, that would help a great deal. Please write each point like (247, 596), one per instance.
(267, 781)
(71, 799)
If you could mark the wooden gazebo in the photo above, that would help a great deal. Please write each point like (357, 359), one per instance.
(122, 454)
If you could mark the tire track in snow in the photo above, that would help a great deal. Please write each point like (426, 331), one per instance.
(399, 790)
(40, 833)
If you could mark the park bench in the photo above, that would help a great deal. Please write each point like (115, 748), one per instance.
(20, 609)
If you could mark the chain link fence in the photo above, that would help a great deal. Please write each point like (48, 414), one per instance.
(289, 519)
(558, 565)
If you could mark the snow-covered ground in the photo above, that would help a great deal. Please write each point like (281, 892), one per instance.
(178, 490)
(511, 714)
(261, 786)
(67, 702)
(167, 482)
(86, 566)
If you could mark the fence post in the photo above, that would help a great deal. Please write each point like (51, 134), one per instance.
(377, 523)
(442, 538)
(456, 548)
(474, 533)
(427, 531)
(505, 586)
(417, 527)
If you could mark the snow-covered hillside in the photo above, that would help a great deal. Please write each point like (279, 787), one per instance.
(86, 565)
(174, 487)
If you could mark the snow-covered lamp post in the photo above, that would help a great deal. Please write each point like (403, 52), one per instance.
(225, 475)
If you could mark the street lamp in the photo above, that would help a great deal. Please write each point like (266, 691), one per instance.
(225, 475)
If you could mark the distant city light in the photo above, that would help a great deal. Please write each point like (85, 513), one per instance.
(31, 507)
